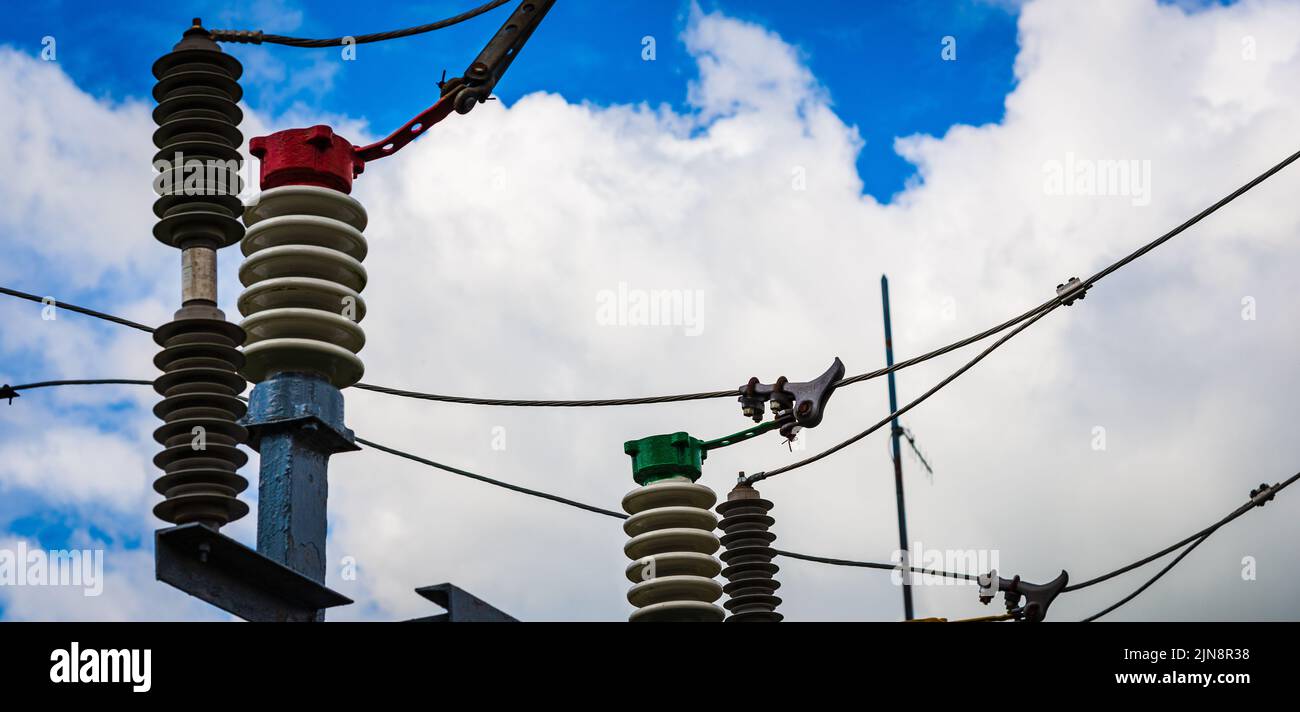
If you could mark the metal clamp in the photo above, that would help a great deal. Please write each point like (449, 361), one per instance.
(1259, 496)
(794, 405)
(1072, 290)
(1037, 597)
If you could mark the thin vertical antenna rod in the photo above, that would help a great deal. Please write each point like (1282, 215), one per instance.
(895, 432)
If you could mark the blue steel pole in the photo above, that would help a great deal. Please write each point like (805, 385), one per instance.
(295, 422)
(895, 433)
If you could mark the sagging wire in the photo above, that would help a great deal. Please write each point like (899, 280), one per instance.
(1258, 497)
(491, 480)
(1066, 294)
(259, 37)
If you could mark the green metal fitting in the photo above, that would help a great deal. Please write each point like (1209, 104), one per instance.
(659, 457)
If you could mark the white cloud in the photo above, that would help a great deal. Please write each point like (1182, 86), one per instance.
(125, 589)
(492, 237)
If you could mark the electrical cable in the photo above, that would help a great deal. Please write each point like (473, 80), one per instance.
(1150, 581)
(1264, 494)
(1077, 291)
(1258, 499)
(491, 481)
(1204, 532)
(258, 37)
(1031, 314)
(620, 515)
(84, 382)
(75, 308)
(548, 403)
(647, 400)
(506, 485)
(874, 565)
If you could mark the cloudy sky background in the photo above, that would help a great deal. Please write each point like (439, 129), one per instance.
(746, 165)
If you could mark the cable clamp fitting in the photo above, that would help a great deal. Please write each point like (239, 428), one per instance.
(1260, 496)
(8, 393)
(794, 405)
(1037, 597)
(1072, 290)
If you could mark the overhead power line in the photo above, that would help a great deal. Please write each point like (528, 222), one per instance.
(1037, 311)
(1258, 498)
(84, 382)
(549, 403)
(1077, 290)
(1150, 581)
(619, 515)
(646, 400)
(259, 37)
(490, 480)
(874, 565)
(74, 308)
(493, 481)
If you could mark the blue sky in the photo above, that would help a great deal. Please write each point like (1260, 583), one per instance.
(586, 51)
(705, 209)
(877, 60)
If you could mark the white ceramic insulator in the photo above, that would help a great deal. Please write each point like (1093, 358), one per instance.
(302, 278)
(672, 545)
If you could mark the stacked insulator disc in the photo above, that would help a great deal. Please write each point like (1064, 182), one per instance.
(671, 548)
(748, 557)
(199, 388)
(198, 142)
(198, 208)
(303, 276)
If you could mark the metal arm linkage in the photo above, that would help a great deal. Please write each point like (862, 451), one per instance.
(462, 94)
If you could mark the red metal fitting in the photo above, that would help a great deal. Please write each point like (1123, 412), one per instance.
(314, 156)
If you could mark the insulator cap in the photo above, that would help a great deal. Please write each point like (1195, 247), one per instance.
(312, 156)
(659, 457)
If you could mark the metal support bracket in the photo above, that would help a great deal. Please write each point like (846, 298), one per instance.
(223, 572)
(303, 402)
(461, 605)
(295, 421)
